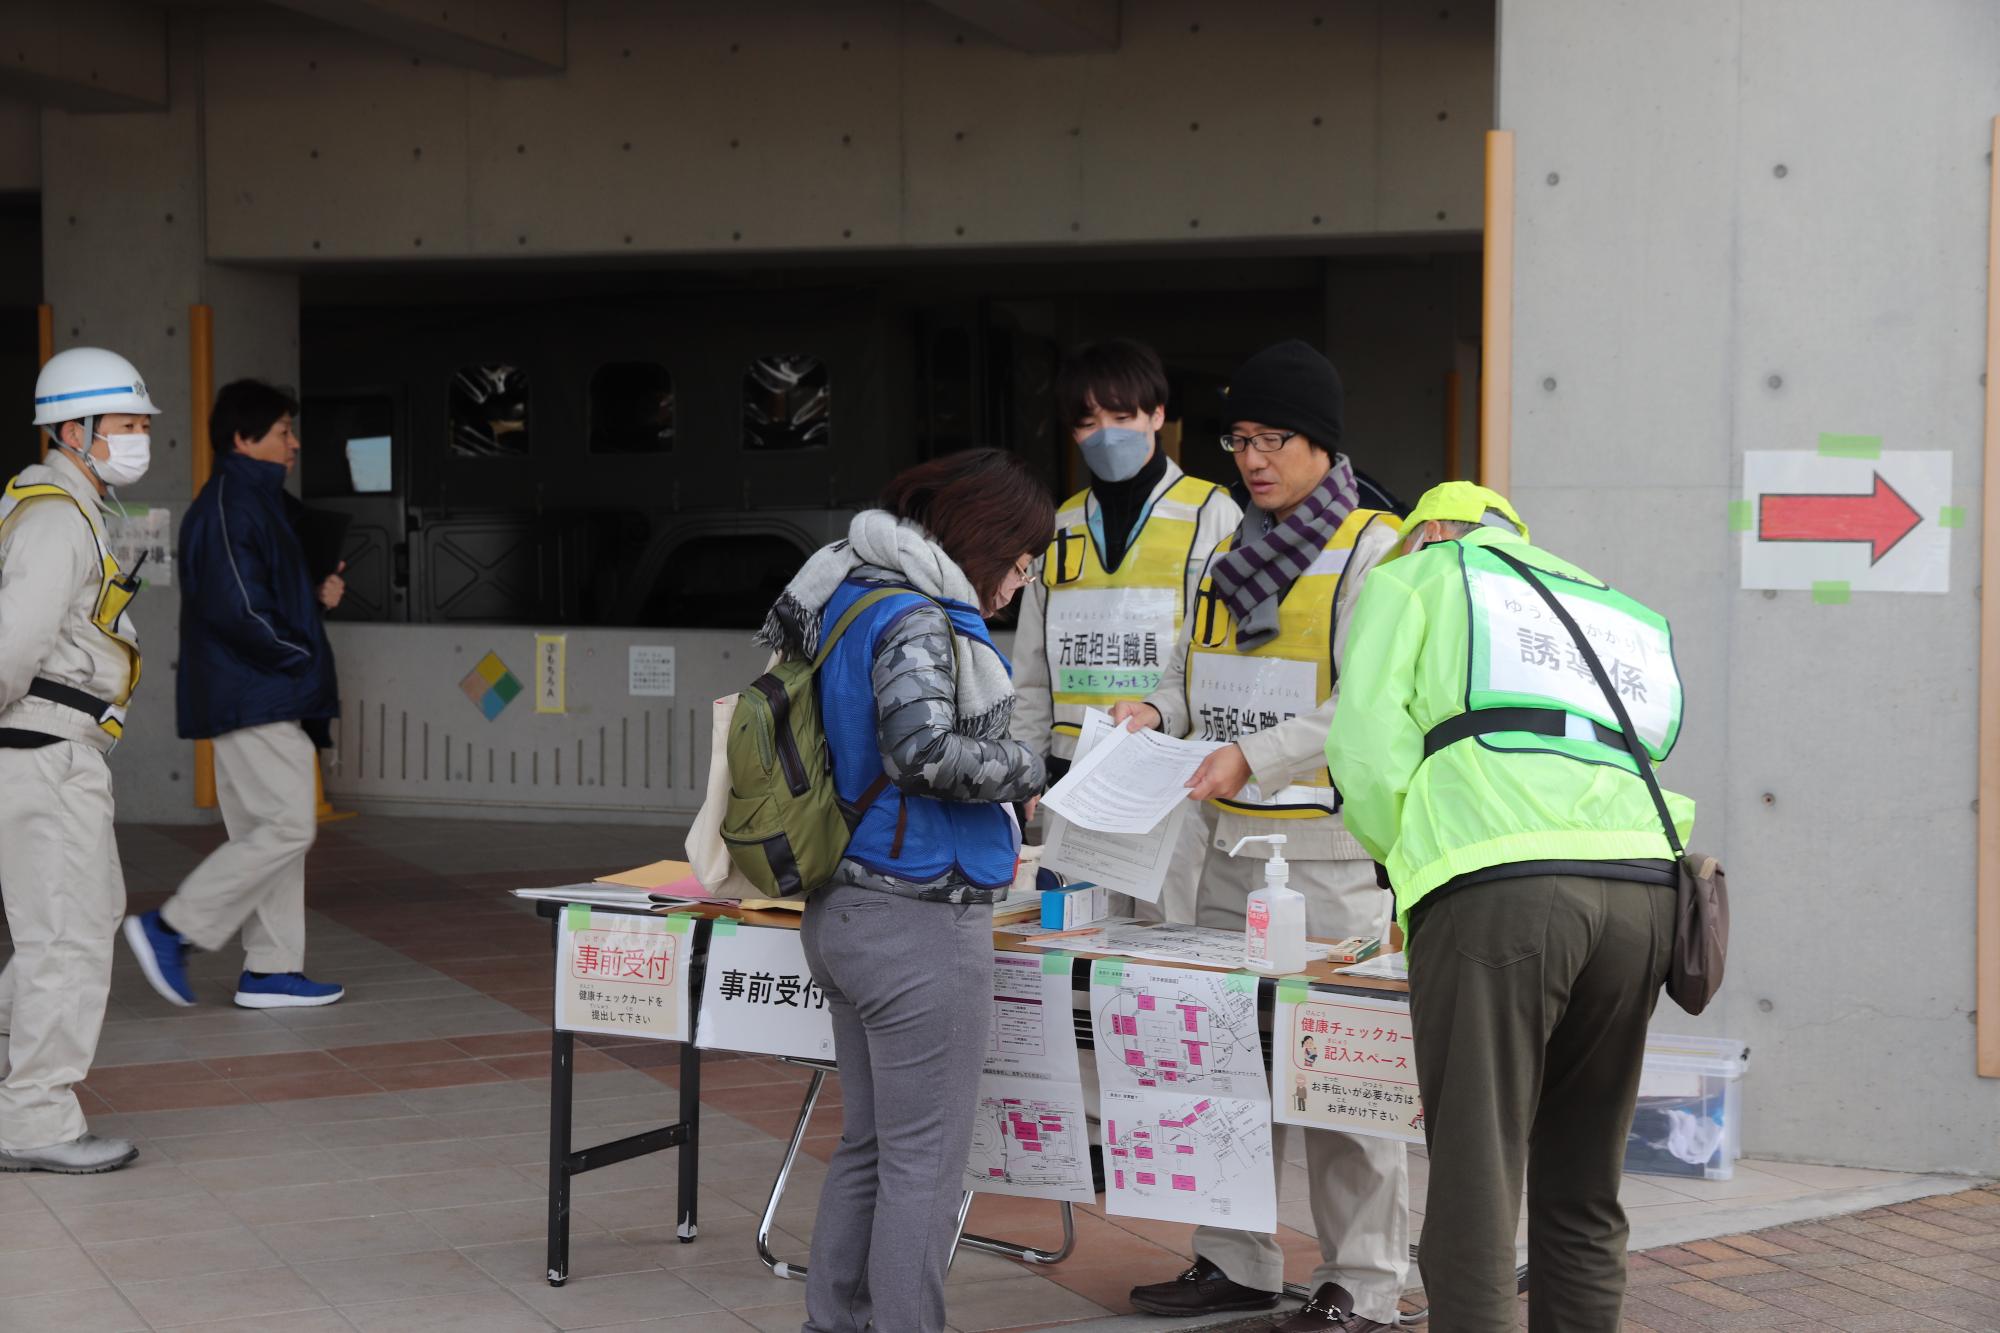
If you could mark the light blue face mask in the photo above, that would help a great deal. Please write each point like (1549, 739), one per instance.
(1116, 453)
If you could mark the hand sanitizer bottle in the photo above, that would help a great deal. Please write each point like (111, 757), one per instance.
(1274, 927)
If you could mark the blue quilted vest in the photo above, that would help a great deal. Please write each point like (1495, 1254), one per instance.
(977, 841)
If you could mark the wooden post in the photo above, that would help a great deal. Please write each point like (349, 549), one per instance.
(1986, 945)
(201, 393)
(1496, 343)
(45, 342)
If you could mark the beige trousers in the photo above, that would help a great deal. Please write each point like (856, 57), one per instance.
(64, 892)
(1359, 1186)
(256, 880)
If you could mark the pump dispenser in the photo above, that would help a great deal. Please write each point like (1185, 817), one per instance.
(1274, 926)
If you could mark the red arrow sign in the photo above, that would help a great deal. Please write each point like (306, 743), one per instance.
(1880, 519)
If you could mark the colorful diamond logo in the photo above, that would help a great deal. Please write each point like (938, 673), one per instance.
(490, 686)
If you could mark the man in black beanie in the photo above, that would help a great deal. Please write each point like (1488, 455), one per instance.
(1255, 670)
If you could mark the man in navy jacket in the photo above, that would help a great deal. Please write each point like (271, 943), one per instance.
(256, 678)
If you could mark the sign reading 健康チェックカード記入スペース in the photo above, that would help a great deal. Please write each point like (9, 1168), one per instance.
(759, 996)
(1851, 516)
(618, 972)
(1344, 1062)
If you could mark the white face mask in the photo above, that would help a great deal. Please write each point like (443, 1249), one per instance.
(131, 455)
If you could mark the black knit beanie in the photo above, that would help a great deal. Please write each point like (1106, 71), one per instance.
(1289, 386)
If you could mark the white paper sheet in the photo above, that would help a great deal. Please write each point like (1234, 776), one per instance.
(624, 974)
(1134, 864)
(1159, 941)
(597, 895)
(1345, 1062)
(1184, 1099)
(1029, 1135)
(1128, 783)
(759, 996)
(1389, 966)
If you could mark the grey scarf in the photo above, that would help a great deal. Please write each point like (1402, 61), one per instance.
(877, 540)
(1264, 560)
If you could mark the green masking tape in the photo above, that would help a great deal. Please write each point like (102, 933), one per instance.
(576, 916)
(1742, 516)
(1291, 990)
(679, 925)
(1108, 972)
(1056, 961)
(725, 925)
(1832, 593)
(1850, 446)
(1951, 516)
(1241, 982)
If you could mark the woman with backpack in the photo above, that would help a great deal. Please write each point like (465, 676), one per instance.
(915, 692)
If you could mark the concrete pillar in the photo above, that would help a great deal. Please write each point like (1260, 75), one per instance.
(124, 258)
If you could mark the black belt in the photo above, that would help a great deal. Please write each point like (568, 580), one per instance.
(1485, 721)
(70, 697)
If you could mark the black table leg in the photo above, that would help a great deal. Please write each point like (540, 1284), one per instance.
(691, 1144)
(562, 1067)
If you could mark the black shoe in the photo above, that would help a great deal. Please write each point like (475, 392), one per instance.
(1203, 1289)
(1331, 1308)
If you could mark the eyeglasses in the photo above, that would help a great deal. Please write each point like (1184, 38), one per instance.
(1264, 442)
(1024, 571)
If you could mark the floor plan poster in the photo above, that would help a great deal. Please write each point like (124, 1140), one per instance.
(1029, 1135)
(759, 996)
(623, 973)
(1344, 1062)
(1184, 1102)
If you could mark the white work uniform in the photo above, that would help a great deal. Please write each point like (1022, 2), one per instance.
(1035, 722)
(1359, 1186)
(59, 871)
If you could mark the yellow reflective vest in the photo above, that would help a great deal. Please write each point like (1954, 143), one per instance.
(1232, 693)
(1106, 633)
(115, 593)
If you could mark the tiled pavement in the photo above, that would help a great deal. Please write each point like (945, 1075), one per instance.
(380, 1164)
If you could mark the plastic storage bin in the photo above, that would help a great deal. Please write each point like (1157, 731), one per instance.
(1689, 1121)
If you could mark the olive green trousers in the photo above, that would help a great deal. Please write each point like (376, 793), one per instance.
(1529, 1000)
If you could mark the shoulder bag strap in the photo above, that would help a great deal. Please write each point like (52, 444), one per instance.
(1589, 655)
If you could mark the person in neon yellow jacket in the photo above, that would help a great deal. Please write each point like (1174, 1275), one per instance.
(1479, 761)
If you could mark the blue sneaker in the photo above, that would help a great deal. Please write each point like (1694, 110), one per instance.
(284, 990)
(162, 955)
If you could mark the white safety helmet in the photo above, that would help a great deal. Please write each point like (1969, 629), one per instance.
(87, 382)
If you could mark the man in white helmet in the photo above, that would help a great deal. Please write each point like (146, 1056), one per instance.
(69, 661)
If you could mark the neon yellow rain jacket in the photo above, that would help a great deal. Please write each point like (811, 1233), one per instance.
(1470, 806)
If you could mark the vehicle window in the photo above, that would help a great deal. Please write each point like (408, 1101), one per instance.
(787, 403)
(489, 411)
(631, 408)
(722, 582)
(347, 446)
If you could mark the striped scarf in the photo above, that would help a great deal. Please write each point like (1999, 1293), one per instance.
(1259, 568)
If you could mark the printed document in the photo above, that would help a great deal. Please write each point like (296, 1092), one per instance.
(1134, 864)
(1129, 782)
(1184, 1101)
(1029, 1133)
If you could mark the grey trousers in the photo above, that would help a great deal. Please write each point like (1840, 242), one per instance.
(64, 892)
(1529, 1000)
(910, 988)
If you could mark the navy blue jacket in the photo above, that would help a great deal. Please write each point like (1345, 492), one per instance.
(253, 648)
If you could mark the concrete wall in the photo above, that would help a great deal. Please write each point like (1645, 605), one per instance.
(123, 260)
(849, 124)
(1742, 223)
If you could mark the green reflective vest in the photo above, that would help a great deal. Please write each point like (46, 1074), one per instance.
(1452, 630)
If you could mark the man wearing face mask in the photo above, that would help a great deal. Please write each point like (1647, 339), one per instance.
(69, 661)
(257, 678)
(1257, 669)
(1101, 617)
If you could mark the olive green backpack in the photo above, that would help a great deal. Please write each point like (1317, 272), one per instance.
(785, 825)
